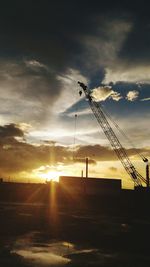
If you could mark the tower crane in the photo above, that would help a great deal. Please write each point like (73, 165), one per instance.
(120, 151)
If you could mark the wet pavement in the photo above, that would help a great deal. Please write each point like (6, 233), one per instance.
(39, 235)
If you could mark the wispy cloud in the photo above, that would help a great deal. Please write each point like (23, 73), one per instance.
(145, 99)
(34, 64)
(121, 72)
(132, 95)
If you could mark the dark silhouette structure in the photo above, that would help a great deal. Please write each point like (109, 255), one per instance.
(91, 186)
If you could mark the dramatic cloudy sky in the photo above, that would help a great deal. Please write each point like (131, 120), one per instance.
(45, 48)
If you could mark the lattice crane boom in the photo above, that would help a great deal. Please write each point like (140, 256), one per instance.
(111, 136)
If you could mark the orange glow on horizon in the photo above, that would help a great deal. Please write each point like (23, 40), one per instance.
(51, 176)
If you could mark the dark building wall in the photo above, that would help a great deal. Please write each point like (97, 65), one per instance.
(90, 186)
(67, 188)
(24, 192)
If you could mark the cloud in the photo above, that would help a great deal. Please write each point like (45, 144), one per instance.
(18, 156)
(113, 169)
(35, 65)
(42, 56)
(82, 160)
(116, 96)
(11, 130)
(38, 70)
(145, 99)
(104, 92)
(28, 91)
(56, 39)
(96, 152)
(126, 72)
(102, 48)
(33, 94)
(132, 95)
(70, 93)
(104, 153)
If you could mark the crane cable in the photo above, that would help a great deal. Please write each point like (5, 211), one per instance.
(74, 138)
(123, 133)
(75, 126)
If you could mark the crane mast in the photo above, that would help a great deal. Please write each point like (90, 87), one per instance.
(111, 136)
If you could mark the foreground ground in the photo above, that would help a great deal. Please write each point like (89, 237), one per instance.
(45, 235)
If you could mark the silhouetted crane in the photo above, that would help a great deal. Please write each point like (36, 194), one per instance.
(115, 143)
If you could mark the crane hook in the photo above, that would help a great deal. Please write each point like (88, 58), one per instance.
(80, 92)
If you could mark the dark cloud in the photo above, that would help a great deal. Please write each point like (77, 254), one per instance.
(61, 35)
(11, 130)
(49, 142)
(17, 156)
(57, 32)
(82, 160)
(96, 152)
(135, 49)
(113, 169)
(53, 31)
(104, 153)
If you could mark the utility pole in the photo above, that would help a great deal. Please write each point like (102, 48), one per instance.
(147, 171)
(87, 162)
(86, 176)
(147, 175)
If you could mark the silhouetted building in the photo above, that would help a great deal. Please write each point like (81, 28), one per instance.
(89, 186)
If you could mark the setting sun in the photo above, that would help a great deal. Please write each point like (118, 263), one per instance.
(51, 176)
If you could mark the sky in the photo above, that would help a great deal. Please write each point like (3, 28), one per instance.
(46, 128)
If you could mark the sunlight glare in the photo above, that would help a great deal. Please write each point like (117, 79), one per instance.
(51, 176)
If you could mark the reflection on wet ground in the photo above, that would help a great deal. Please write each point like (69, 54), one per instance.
(39, 254)
(33, 236)
(56, 253)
